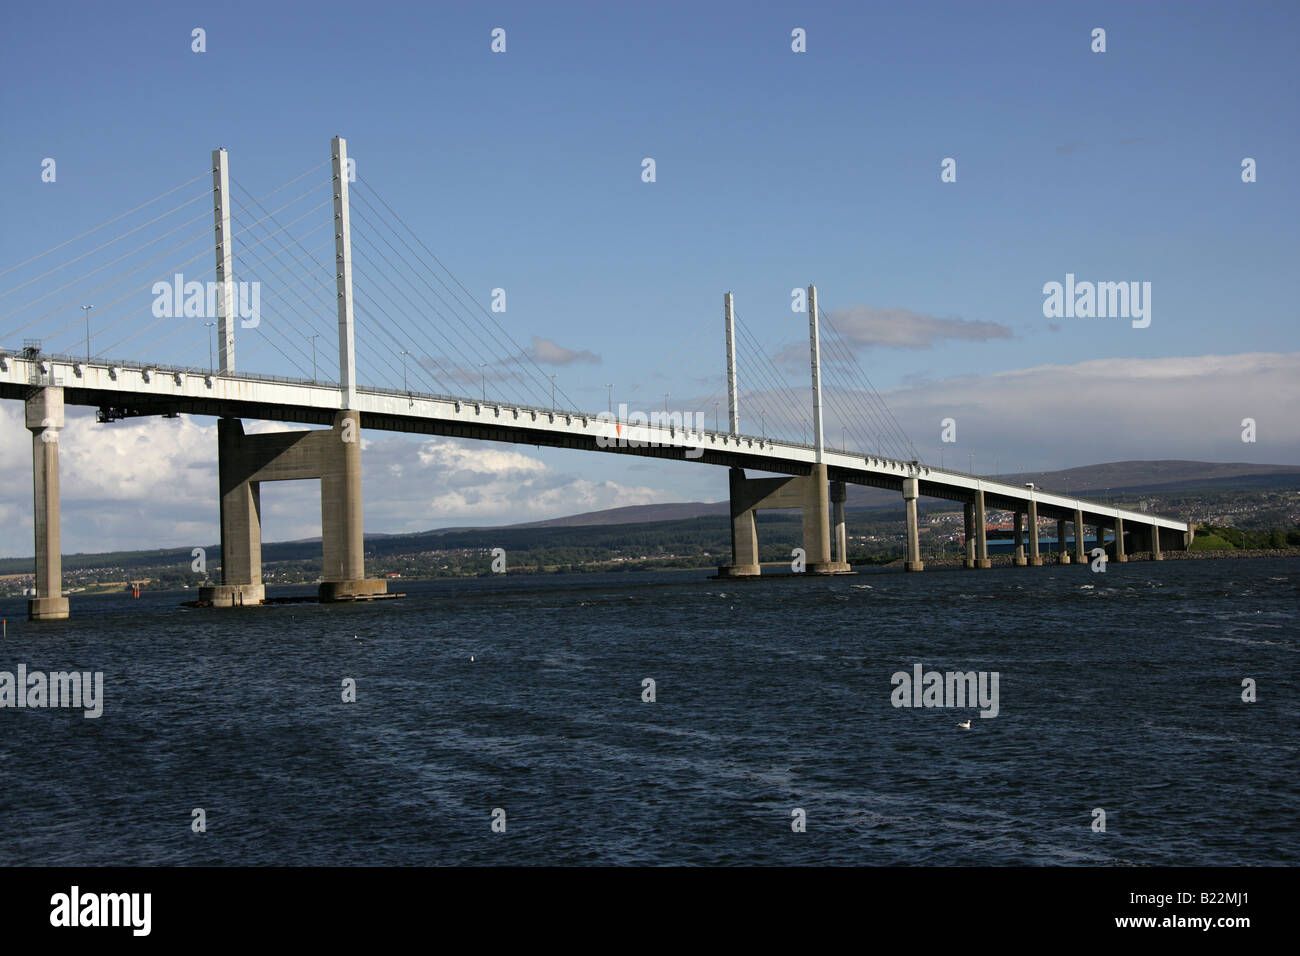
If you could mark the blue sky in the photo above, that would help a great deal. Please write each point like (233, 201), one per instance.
(522, 170)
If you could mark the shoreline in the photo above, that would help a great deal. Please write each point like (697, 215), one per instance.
(1006, 560)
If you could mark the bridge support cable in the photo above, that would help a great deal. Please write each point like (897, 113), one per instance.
(148, 284)
(326, 302)
(107, 222)
(771, 378)
(839, 357)
(83, 294)
(367, 355)
(855, 369)
(105, 245)
(534, 393)
(852, 413)
(513, 351)
(390, 285)
(794, 395)
(779, 416)
(369, 311)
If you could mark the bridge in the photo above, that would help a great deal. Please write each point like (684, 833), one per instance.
(806, 475)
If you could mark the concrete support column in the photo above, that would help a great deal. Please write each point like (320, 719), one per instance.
(1080, 554)
(1062, 553)
(1156, 553)
(1120, 556)
(1101, 536)
(968, 543)
(1035, 559)
(341, 527)
(817, 524)
(44, 418)
(838, 495)
(241, 523)
(744, 534)
(913, 562)
(1019, 560)
(981, 532)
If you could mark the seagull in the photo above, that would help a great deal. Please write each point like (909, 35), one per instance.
(964, 725)
(471, 660)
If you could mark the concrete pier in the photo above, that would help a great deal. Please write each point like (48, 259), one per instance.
(1062, 555)
(1019, 559)
(1080, 552)
(44, 419)
(331, 455)
(1156, 554)
(809, 493)
(1120, 556)
(913, 562)
(1035, 559)
(968, 542)
(981, 533)
(839, 493)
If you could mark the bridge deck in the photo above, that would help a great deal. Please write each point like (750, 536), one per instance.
(136, 389)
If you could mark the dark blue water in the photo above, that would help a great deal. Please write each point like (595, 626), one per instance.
(1119, 690)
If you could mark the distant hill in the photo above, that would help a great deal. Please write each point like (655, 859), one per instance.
(1112, 477)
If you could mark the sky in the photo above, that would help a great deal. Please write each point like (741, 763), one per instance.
(524, 171)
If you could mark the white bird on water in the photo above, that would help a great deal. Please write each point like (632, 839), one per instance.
(471, 658)
(964, 725)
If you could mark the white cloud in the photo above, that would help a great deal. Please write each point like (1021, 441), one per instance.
(544, 350)
(867, 326)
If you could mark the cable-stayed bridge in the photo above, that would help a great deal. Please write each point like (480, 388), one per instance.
(436, 362)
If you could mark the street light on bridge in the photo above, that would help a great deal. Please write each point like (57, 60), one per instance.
(482, 366)
(609, 395)
(210, 325)
(313, 354)
(86, 311)
(404, 354)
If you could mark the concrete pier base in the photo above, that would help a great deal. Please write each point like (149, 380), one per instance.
(1019, 560)
(47, 609)
(232, 595)
(44, 419)
(361, 589)
(981, 533)
(739, 571)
